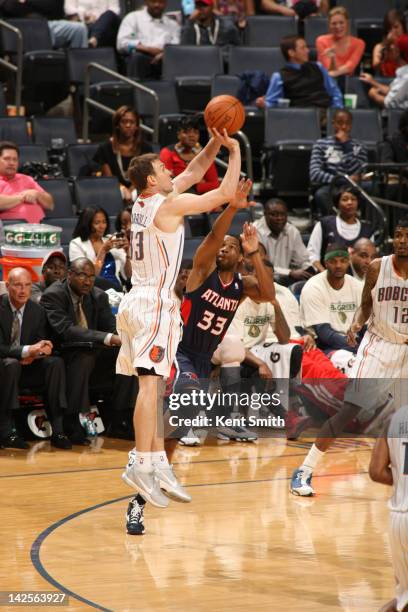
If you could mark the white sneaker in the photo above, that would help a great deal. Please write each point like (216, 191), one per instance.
(170, 484)
(190, 439)
(301, 483)
(146, 484)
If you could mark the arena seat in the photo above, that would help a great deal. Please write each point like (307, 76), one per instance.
(101, 192)
(268, 30)
(79, 158)
(47, 129)
(32, 153)
(267, 59)
(14, 129)
(60, 190)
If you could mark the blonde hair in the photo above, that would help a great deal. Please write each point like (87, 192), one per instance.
(339, 10)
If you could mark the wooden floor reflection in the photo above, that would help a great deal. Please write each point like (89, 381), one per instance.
(244, 542)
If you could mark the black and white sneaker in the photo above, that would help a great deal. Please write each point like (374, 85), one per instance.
(134, 517)
(236, 433)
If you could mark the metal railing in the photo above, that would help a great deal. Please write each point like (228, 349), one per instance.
(88, 101)
(154, 131)
(16, 69)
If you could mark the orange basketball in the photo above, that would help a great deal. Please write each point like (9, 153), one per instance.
(225, 112)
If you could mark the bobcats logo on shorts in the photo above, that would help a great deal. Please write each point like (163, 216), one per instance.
(156, 353)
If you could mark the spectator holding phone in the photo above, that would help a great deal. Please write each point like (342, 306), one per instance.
(109, 254)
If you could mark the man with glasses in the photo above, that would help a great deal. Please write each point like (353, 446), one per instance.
(81, 319)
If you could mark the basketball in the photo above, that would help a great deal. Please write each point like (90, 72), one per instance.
(224, 112)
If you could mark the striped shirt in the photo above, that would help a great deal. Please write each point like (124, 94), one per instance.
(331, 157)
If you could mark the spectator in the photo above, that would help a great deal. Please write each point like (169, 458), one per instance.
(144, 33)
(394, 95)
(64, 33)
(344, 228)
(238, 10)
(26, 352)
(20, 196)
(283, 243)
(126, 142)
(329, 301)
(78, 312)
(54, 267)
(123, 221)
(178, 156)
(101, 18)
(302, 82)
(362, 253)
(291, 8)
(339, 52)
(206, 28)
(109, 254)
(338, 154)
(395, 150)
(386, 55)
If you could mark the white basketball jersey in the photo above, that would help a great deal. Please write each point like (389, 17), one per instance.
(156, 255)
(389, 318)
(398, 445)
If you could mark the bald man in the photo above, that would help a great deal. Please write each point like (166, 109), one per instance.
(26, 353)
(362, 253)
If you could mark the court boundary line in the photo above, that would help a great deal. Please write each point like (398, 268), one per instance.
(107, 469)
(36, 546)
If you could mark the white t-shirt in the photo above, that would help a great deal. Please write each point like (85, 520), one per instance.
(251, 322)
(320, 303)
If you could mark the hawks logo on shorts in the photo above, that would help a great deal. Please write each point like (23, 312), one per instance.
(156, 353)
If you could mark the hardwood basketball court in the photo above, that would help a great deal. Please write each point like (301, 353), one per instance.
(243, 543)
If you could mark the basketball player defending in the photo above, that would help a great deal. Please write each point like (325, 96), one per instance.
(148, 320)
(389, 465)
(382, 354)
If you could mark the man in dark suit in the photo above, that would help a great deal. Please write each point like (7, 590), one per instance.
(26, 350)
(82, 320)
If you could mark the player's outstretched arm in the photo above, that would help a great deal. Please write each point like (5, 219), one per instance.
(364, 311)
(204, 259)
(200, 164)
(260, 287)
(177, 206)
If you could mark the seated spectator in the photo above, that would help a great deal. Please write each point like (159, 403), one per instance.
(143, 34)
(126, 142)
(283, 244)
(386, 55)
(109, 254)
(178, 156)
(338, 154)
(78, 312)
(206, 28)
(291, 8)
(64, 33)
(20, 196)
(54, 267)
(27, 361)
(344, 228)
(362, 253)
(100, 16)
(123, 221)
(329, 301)
(238, 10)
(394, 95)
(339, 52)
(302, 82)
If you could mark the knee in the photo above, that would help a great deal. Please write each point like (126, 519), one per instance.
(231, 351)
(12, 367)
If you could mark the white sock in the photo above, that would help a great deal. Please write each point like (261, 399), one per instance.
(312, 458)
(160, 458)
(143, 461)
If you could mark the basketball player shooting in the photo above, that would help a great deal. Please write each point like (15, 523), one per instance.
(382, 355)
(149, 321)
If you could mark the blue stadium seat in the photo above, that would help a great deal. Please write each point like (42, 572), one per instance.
(79, 158)
(291, 125)
(47, 129)
(14, 129)
(238, 221)
(32, 153)
(268, 30)
(190, 247)
(101, 192)
(267, 59)
(366, 125)
(60, 190)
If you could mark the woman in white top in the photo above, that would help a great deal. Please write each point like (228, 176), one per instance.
(345, 228)
(91, 239)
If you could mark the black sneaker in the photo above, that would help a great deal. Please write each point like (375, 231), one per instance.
(13, 440)
(61, 441)
(134, 517)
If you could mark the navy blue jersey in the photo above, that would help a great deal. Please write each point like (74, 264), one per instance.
(207, 313)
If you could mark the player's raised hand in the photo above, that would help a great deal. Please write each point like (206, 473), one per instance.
(224, 139)
(352, 333)
(241, 195)
(249, 238)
